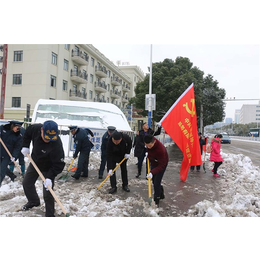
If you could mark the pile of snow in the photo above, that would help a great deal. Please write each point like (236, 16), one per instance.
(239, 187)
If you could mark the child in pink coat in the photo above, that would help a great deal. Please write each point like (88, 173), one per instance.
(215, 154)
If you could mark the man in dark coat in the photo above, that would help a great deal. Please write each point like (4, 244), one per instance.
(158, 157)
(118, 146)
(139, 145)
(11, 137)
(83, 147)
(48, 155)
(105, 137)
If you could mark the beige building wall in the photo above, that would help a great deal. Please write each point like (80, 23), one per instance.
(249, 114)
(97, 81)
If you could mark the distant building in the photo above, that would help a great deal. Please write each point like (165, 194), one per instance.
(249, 114)
(237, 116)
(228, 120)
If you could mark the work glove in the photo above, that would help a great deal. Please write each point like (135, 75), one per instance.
(110, 172)
(127, 155)
(13, 159)
(146, 154)
(149, 175)
(25, 151)
(75, 156)
(47, 183)
(159, 124)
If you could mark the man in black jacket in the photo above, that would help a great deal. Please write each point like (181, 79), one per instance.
(83, 146)
(11, 137)
(139, 145)
(105, 137)
(118, 146)
(48, 155)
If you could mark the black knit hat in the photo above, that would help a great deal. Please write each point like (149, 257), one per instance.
(117, 135)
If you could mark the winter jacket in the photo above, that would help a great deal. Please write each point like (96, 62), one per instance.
(158, 157)
(215, 154)
(12, 141)
(139, 140)
(116, 153)
(49, 157)
(82, 142)
(105, 138)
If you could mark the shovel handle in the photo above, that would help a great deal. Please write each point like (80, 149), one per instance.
(71, 164)
(149, 180)
(109, 174)
(15, 163)
(49, 187)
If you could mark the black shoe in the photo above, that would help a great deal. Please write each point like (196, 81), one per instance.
(162, 194)
(137, 175)
(30, 205)
(156, 200)
(100, 177)
(112, 190)
(125, 188)
(13, 177)
(75, 176)
(84, 175)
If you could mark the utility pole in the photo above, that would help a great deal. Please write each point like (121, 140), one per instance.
(150, 92)
(3, 86)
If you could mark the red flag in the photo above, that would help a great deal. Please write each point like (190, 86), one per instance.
(180, 122)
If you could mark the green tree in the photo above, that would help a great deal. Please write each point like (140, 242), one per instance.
(170, 79)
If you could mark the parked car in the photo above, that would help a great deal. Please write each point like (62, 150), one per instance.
(226, 139)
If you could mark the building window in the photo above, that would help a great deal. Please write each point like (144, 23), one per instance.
(65, 85)
(108, 87)
(17, 79)
(108, 73)
(108, 100)
(54, 58)
(53, 81)
(16, 102)
(66, 46)
(76, 50)
(74, 89)
(92, 62)
(18, 56)
(90, 94)
(91, 78)
(66, 65)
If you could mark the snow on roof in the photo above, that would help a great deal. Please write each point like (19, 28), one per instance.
(80, 113)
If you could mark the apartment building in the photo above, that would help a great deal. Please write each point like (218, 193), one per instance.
(77, 72)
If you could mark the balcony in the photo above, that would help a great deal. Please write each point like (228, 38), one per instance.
(99, 100)
(116, 81)
(77, 95)
(115, 93)
(79, 57)
(101, 71)
(125, 99)
(125, 88)
(79, 77)
(100, 87)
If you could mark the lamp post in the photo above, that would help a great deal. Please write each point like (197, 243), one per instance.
(150, 92)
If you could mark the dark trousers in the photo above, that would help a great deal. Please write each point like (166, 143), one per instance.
(140, 162)
(29, 180)
(123, 174)
(157, 180)
(102, 164)
(216, 165)
(4, 169)
(83, 162)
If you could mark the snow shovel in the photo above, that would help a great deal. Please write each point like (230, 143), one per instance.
(64, 177)
(109, 174)
(15, 163)
(149, 183)
(49, 187)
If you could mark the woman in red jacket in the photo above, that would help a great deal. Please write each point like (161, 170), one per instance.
(215, 154)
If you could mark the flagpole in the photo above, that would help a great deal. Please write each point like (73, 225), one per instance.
(150, 92)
